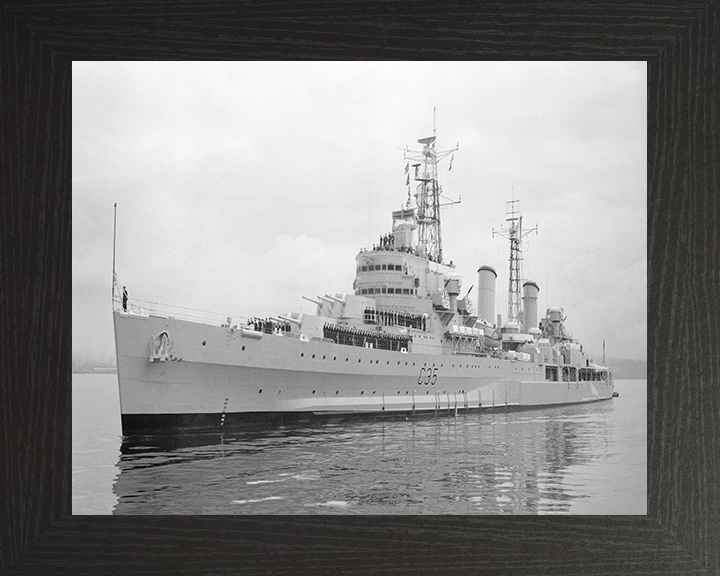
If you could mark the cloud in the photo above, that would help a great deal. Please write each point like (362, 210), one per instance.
(307, 266)
(243, 186)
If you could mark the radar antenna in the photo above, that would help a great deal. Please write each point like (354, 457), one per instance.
(515, 234)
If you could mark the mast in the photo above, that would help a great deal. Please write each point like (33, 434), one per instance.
(515, 234)
(427, 196)
(114, 235)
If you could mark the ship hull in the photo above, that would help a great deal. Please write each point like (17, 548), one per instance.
(219, 378)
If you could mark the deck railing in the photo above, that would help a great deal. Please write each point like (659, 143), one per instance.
(146, 307)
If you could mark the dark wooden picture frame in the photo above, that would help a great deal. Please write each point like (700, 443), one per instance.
(680, 42)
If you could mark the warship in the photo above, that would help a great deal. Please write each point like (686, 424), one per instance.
(402, 343)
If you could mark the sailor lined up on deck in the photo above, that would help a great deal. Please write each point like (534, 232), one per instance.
(268, 326)
(387, 242)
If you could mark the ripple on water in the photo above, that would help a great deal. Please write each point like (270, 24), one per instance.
(254, 500)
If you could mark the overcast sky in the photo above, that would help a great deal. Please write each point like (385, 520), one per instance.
(243, 186)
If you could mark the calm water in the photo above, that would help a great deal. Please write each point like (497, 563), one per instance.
(583, 459)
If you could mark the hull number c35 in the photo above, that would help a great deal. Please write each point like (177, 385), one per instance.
(428, 376)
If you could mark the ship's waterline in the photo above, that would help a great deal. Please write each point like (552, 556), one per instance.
(226, 380)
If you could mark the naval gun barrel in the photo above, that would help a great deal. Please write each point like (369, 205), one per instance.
(313, 301)
(334, 299)
(287, 319)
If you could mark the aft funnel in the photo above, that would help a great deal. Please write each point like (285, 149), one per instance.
(530, 297)
(486, 293)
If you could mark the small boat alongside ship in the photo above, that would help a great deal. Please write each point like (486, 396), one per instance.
(403, 342)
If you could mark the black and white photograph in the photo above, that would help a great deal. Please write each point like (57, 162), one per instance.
(359, 288)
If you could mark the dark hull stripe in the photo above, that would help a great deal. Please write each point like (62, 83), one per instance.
(149, 424)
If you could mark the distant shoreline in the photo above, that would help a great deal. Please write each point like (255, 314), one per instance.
(95, 371)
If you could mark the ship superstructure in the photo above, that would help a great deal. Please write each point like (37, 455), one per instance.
(404, 341)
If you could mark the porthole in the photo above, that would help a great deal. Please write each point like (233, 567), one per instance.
(336, 392)
(362, 392)
(260, 391)
(359, 360)
(243, 348)
(313, 391)
(388, 361)
(203, 342)
(334, 358)
(373, 392)
(346, 359)
(313, 355)
(323, 357)
(302, 354)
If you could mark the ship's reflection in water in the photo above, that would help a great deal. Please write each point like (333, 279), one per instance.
(515, 462)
